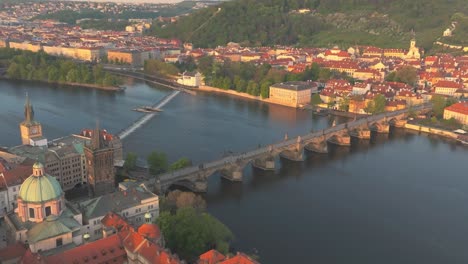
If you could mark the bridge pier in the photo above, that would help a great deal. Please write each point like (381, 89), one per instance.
(266, 164)
(382, 127)
(317, 147)
(234, 173)
(295, 153)
(399, 123)
(340, 140)
(361, 133)
(201, 186)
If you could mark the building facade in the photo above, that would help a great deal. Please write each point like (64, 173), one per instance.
(293, 94)
(190, 79)
(458, 111)
(100, 166)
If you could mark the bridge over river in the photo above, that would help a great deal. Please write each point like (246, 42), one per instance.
(147, 117)
(231, 167)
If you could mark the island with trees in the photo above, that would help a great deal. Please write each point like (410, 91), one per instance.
(38, 66)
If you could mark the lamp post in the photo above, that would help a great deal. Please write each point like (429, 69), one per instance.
(8, 194)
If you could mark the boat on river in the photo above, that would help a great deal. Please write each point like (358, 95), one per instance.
(147, 109)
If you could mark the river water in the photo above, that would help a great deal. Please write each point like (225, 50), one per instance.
(400, 198)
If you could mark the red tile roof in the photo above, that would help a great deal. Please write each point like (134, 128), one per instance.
(461, 108)
(240, 258)
(150, 231)
(211, 257)
(100, 251)
(12, 252)
(448, 84)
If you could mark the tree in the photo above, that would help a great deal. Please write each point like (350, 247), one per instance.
(190, 233)
(265, 89)
(406, 74)
(180, 164)
(315, 100)
(14, 71)
(438, 105)
(72, 76)
(343, 105)
(205, 65)
(130, 161)
(379, 104)
(157, 162)
(178, 199)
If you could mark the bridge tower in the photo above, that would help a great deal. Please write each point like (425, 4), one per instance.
(100, 165)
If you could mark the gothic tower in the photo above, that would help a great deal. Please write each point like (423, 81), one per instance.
(100, 165)
(29, 128)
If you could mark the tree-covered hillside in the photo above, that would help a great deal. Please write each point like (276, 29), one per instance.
(385, 23)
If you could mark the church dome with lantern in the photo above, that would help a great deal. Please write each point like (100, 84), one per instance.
(39, 196)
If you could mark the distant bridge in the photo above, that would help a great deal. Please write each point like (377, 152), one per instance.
(168, 83)
(147, 117)
(231, 167)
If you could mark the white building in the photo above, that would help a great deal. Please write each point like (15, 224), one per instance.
(193, 79)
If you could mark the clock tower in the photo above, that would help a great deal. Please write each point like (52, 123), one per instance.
(29, 128)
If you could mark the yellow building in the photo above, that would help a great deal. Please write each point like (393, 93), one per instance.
(132, 57)
(34, 47)
(459, 111)
(83, 53)
(3, 43)
(294, 94)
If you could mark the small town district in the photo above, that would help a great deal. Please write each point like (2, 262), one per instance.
(117, 226)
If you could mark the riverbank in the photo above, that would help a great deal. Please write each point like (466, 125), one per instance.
(206, 88)
(79, 85)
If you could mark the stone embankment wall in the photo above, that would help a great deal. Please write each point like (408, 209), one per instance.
(431, 130)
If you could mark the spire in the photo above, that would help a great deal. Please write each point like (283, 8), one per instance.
(28, 110)
(96, 137)
(413, 34)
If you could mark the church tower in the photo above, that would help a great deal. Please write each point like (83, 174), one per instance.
(413, 52)
(29, 128)
(100, 165)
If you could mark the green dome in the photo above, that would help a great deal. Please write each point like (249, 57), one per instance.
(37, 189)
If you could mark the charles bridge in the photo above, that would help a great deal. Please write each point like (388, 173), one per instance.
(231, 167)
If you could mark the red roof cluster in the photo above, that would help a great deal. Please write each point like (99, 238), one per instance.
(461, 108)
(214, 257)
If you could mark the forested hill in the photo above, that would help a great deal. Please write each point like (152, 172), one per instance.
(385, 23)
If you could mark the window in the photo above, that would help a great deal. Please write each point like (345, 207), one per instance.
(58, 242)
(48, 211)
(31, 212)
(14, 189)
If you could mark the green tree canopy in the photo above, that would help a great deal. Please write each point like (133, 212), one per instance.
(157, 162)
(42, 67)
(130, 161)
(189, 233)
(377, 105)
(438, 105)
(180, 164)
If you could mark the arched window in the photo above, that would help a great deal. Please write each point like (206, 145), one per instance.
(31, 212)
